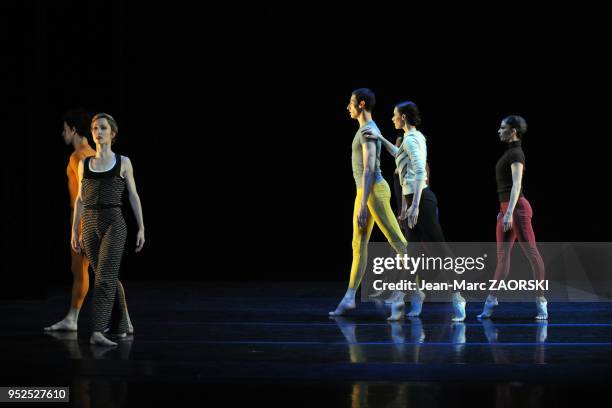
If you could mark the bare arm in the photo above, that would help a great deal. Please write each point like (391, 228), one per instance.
(128, 173)
(369, 163)
(517, 179)
(391, 148)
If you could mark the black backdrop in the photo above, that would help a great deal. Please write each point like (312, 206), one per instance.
(234, 118)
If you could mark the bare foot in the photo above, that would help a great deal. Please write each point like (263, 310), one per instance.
(344, 306)
(63, 325)
(98, 339)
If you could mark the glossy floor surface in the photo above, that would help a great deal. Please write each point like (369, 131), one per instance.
(273, 343)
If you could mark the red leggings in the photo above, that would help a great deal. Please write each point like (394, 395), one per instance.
(523, 231)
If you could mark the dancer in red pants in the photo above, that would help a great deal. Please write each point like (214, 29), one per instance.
(514, 219)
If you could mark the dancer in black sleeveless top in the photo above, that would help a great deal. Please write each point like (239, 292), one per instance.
(104, 178)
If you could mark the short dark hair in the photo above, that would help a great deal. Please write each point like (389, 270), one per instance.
(367, 96)
(79, 119)
(518, 123)
(411, 110)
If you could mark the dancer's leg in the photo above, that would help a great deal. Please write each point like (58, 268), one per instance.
(380, 208)
(433, 238)
(112, 244)
(526, 237)
(361, 237)
(79, 267)
(505, 243)
(121, 294)
(80, 276)
(119, 316)
(92, 246)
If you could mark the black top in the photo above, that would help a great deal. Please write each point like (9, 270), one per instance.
(103, 189)
(503, 171)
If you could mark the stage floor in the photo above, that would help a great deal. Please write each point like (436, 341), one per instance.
(272, 342)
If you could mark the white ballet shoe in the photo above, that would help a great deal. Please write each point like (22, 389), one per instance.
(416, 303)
(541, 307)
(458, 308)
(489, 305)
(397, 308)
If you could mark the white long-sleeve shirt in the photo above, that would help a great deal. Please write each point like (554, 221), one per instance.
(411, 160)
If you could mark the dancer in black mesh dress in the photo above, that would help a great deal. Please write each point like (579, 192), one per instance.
(103, 179)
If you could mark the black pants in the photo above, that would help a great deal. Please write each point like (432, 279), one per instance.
(427, 237)
(427, 228)
(104, 236)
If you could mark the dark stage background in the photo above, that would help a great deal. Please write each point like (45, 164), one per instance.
(234, 118)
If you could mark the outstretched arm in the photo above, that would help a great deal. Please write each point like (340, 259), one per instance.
(372, 134)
